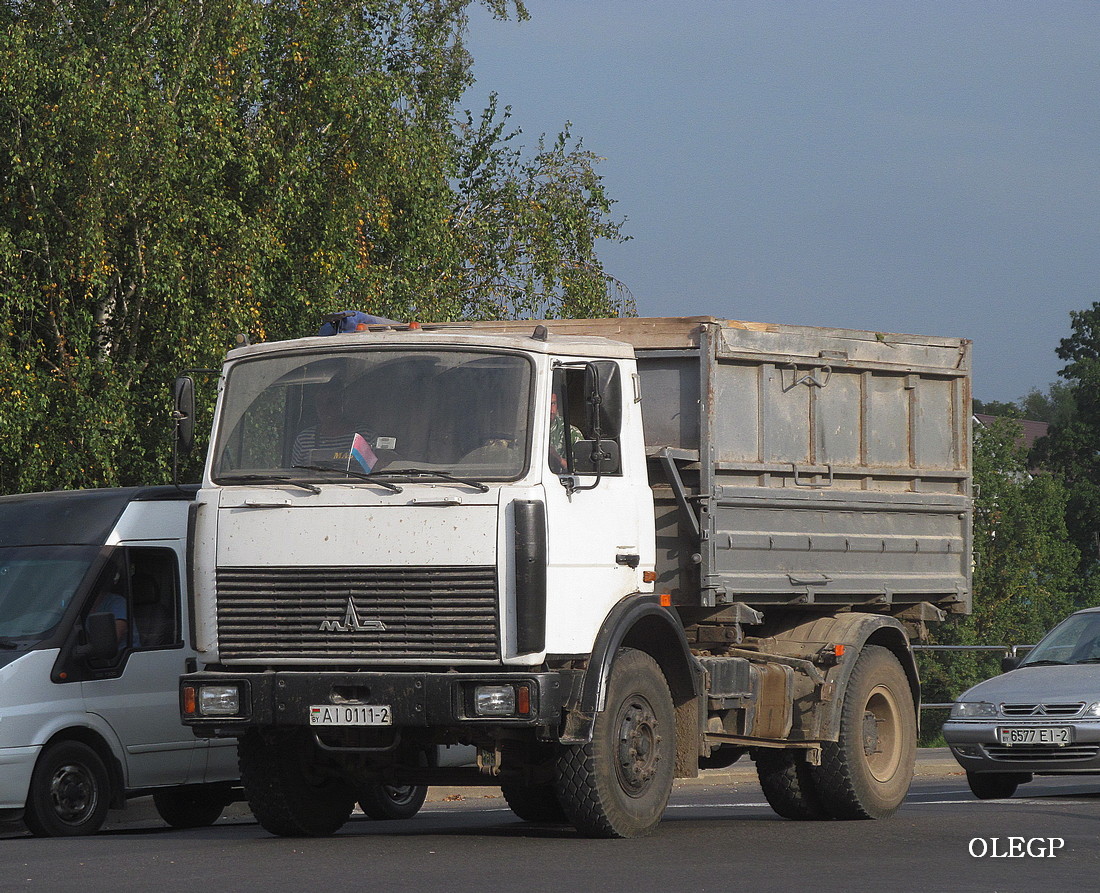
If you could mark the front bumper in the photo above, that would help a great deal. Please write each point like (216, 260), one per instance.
(976, 746)
(16, 768)
(416, 700)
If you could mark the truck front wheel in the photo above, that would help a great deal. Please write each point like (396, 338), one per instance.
(866, 772)
(285, 792)
(618, 784)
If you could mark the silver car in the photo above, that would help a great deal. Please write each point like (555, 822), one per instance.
(1040, 717)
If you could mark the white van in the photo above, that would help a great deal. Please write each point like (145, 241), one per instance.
(94, 635)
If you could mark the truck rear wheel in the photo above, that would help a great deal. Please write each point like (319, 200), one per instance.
(285, 793)
(70, 792)
(618, 784)
(866, 773)
(788, 785)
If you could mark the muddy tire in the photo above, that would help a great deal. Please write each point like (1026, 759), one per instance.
(70, 792)
(190, 806)
(788, 785)
(534, 802)
(392, 801)
(618, 784)
(995, 785)
(866, 773)
(284, 791)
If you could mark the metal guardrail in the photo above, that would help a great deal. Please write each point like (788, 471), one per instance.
(1007, 650)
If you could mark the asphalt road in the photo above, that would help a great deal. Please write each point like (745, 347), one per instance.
(718, 834)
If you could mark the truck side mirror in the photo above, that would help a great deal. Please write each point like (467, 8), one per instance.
(183, 413)
(602, 399)
(101, 637)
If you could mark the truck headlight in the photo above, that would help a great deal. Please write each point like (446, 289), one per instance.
(495, 700)
(218, 700)
(973, 710)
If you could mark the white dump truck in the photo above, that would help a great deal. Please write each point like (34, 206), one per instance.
(606, 553)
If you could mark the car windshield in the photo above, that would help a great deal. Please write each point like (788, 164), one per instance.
(1075, 640)
(37, 584)
(340, 414)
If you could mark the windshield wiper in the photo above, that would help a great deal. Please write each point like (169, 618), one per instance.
(5, 642)
(361, 475)
(426, 472)
(266, 479)
(1044, 663)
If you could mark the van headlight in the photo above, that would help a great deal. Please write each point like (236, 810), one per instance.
(973, 710)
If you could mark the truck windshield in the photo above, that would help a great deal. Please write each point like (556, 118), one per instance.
(321, 415)
(37, 585)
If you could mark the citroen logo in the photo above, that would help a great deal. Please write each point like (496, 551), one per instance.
(351, 622)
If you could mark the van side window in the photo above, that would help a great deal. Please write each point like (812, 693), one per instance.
(139, 586)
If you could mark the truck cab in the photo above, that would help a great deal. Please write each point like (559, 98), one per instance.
(94, 634)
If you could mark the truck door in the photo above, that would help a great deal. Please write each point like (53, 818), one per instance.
(599, 526)
(135, 692)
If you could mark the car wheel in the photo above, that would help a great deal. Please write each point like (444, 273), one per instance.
(392, 801)
(995, 785)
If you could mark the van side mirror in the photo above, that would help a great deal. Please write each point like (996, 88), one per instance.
(101, 637)
(183, 413)
(1008, 664)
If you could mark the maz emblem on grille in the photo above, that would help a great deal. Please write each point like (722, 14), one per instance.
(351, 622)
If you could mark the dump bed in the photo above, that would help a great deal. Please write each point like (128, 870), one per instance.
(821, 467)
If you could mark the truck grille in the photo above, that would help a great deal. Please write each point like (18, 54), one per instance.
(356, 615)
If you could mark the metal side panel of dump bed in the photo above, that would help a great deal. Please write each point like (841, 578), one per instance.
(823, 467)
(828, 467)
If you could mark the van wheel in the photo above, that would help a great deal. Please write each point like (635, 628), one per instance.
(534, 802)
(788, 785)
(618, 784)
(286, 794)
(995, 785)
(866, 772)
(70, 792)
(190, 806)
(392, 801)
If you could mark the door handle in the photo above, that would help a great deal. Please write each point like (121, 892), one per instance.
(628, 559)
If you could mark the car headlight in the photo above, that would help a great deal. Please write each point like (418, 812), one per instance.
(973, 710)
(1092, 710)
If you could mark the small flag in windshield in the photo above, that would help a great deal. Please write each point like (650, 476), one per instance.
(362, 453)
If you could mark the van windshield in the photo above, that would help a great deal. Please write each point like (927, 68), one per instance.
(346, 414)
(37, 585)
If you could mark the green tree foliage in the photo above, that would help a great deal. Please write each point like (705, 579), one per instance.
(1072, 448)
(174, 173)
(1025, 572)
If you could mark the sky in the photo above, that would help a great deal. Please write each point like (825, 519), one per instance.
(911, 167)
